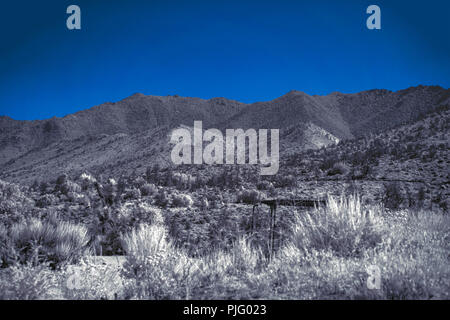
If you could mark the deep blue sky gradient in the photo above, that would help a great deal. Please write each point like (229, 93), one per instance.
(244, 50)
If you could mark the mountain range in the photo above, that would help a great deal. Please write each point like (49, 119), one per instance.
(133, 133)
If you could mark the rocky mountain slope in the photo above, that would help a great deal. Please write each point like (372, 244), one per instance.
(415, 156)
(132, 115)
(133, 133)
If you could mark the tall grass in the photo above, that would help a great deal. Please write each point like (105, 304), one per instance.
(343, 226)
(410, 249)
(158, 269)
(162, 271)
(35, 241)
(326, 257)
(146, 241)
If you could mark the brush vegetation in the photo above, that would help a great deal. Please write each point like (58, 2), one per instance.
(325, 256)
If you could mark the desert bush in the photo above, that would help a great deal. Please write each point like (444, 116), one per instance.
(108, 224)
(52, 241)
(109, 192)
(158, 269)
(14, 203)
(393, 197)
(46, 200)
(146, 240)
(63, 178)
(133, 214)
(182, 180)
(148, 189)
(144, 213)
(131, 194)
(162, 199)
(86, 181)
(44, 187)
(139, 182)
(235, 274)
(250, 196)
(344, 226)
(414, 258)
(339, 168)
(182, 200)
(286, 181)
(69, 187)
(264, 185)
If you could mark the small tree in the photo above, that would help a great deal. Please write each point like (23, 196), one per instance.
(393, 197)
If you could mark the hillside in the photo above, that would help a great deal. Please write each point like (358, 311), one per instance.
(134, 114)
(343, 115)
(415, 156)
(132, 134)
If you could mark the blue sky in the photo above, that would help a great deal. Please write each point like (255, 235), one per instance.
(244, 50)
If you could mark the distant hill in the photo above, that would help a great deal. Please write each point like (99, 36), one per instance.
(343, 115)
(132, 115)
(133, 133)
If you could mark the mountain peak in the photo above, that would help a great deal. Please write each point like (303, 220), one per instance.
(136, 95)
(295, 92)
(335, 93)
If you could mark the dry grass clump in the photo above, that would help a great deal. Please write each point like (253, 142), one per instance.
(344, 226)
(412, 258)
(158, 269)
(45, 241)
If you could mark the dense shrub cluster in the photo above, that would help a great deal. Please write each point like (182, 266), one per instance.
(250, 196)
(339, 168)
(182, 200)
(43, 241)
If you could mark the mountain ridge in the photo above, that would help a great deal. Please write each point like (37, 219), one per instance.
(133, 120)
